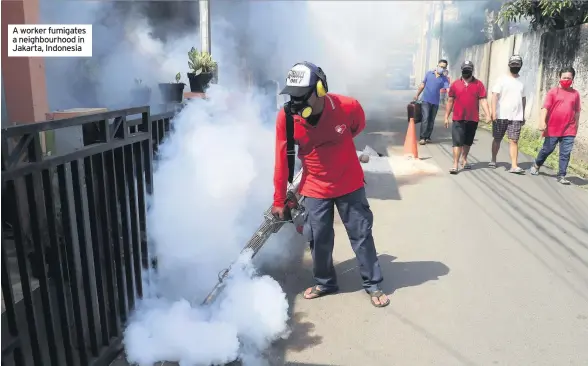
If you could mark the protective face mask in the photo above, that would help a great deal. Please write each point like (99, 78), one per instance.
(566, 83)
(515, 69)
(466, 74)
(440, 70)
(300, 106)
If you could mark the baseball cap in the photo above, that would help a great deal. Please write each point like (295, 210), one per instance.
(515, 60)
(302, 78)
(467, 65)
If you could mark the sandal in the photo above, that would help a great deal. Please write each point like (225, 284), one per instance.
(453, 171)
(467, 166)
(377, 294)
(318, 291)
(492, 164)
(518, 170)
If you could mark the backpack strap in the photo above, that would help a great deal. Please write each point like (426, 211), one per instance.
(290, 152)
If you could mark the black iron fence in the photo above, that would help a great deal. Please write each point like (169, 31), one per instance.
(74, 244)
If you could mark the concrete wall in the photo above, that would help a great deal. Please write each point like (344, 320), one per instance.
(479, 55)
(544, 54)
(500, 51)
(4, 108)
(527, 45)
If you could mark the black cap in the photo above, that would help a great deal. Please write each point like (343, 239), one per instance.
(302, 78)
(467, 65)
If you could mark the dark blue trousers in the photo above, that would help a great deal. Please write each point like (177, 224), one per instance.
(358, 219)
(429, 114)
(566, 144)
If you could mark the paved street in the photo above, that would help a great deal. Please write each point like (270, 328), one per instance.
(483, 268)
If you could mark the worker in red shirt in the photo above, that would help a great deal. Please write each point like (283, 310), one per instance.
(324, 125)
(560, 117)
(465, 95)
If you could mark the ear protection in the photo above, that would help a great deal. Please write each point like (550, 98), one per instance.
(321, 88)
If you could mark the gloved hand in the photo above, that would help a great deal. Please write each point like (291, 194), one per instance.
(278, 212)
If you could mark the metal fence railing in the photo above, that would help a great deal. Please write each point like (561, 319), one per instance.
(74, 243)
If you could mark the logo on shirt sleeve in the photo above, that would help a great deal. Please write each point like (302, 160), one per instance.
(340, 128)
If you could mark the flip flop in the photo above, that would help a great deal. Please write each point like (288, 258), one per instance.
(317, 291)
(453, 171)
(492, 164)
(467, 166)
(377, 294)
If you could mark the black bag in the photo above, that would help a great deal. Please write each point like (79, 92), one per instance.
(413, 110)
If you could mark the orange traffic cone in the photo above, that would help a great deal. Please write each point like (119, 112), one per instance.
(410, 143)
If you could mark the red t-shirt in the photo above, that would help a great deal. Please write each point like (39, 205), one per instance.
(562, 106)
(466, 99)
(329, 160)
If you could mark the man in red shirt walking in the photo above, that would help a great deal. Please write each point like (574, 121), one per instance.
(465, 95)
(560, 116)
(324, 125)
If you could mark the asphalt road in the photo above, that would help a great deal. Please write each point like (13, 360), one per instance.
(482, 268)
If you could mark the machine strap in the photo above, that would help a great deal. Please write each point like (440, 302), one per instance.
(290, 152)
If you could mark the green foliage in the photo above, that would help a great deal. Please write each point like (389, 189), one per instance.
(178, 77)
(200, 61)
(546, 14)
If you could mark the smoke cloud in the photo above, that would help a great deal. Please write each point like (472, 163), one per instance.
(213, 176)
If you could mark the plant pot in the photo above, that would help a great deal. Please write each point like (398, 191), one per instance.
(172, 92)
(141, 96)
(199, 83)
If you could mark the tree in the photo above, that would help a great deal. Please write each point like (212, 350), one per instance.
(546, 14)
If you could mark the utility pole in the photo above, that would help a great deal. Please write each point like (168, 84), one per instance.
(441, 31)
(204, 7)
(429, 36)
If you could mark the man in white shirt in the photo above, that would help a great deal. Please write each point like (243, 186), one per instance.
(508, 112)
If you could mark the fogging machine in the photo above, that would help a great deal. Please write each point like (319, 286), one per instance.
(294, 212)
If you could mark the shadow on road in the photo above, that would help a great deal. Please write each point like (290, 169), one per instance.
(293, 277)
(381, 186)
(397, 275)
(551, 223)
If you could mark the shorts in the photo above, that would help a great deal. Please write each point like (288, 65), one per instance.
(502, 126)
(463, 133)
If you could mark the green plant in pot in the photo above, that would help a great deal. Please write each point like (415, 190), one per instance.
(202, 68)
(141, 93)
(172, 92)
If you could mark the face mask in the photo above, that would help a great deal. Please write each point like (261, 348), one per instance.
(515, 70)
(300, 106)
(466, 74)
(440, 70)
(566, 83)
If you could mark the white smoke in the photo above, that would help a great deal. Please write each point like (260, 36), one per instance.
(213, 177)
(207, 204)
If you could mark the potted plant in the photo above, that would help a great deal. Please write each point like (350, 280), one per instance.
(202, 69)
(141, 93)
(172, 92)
